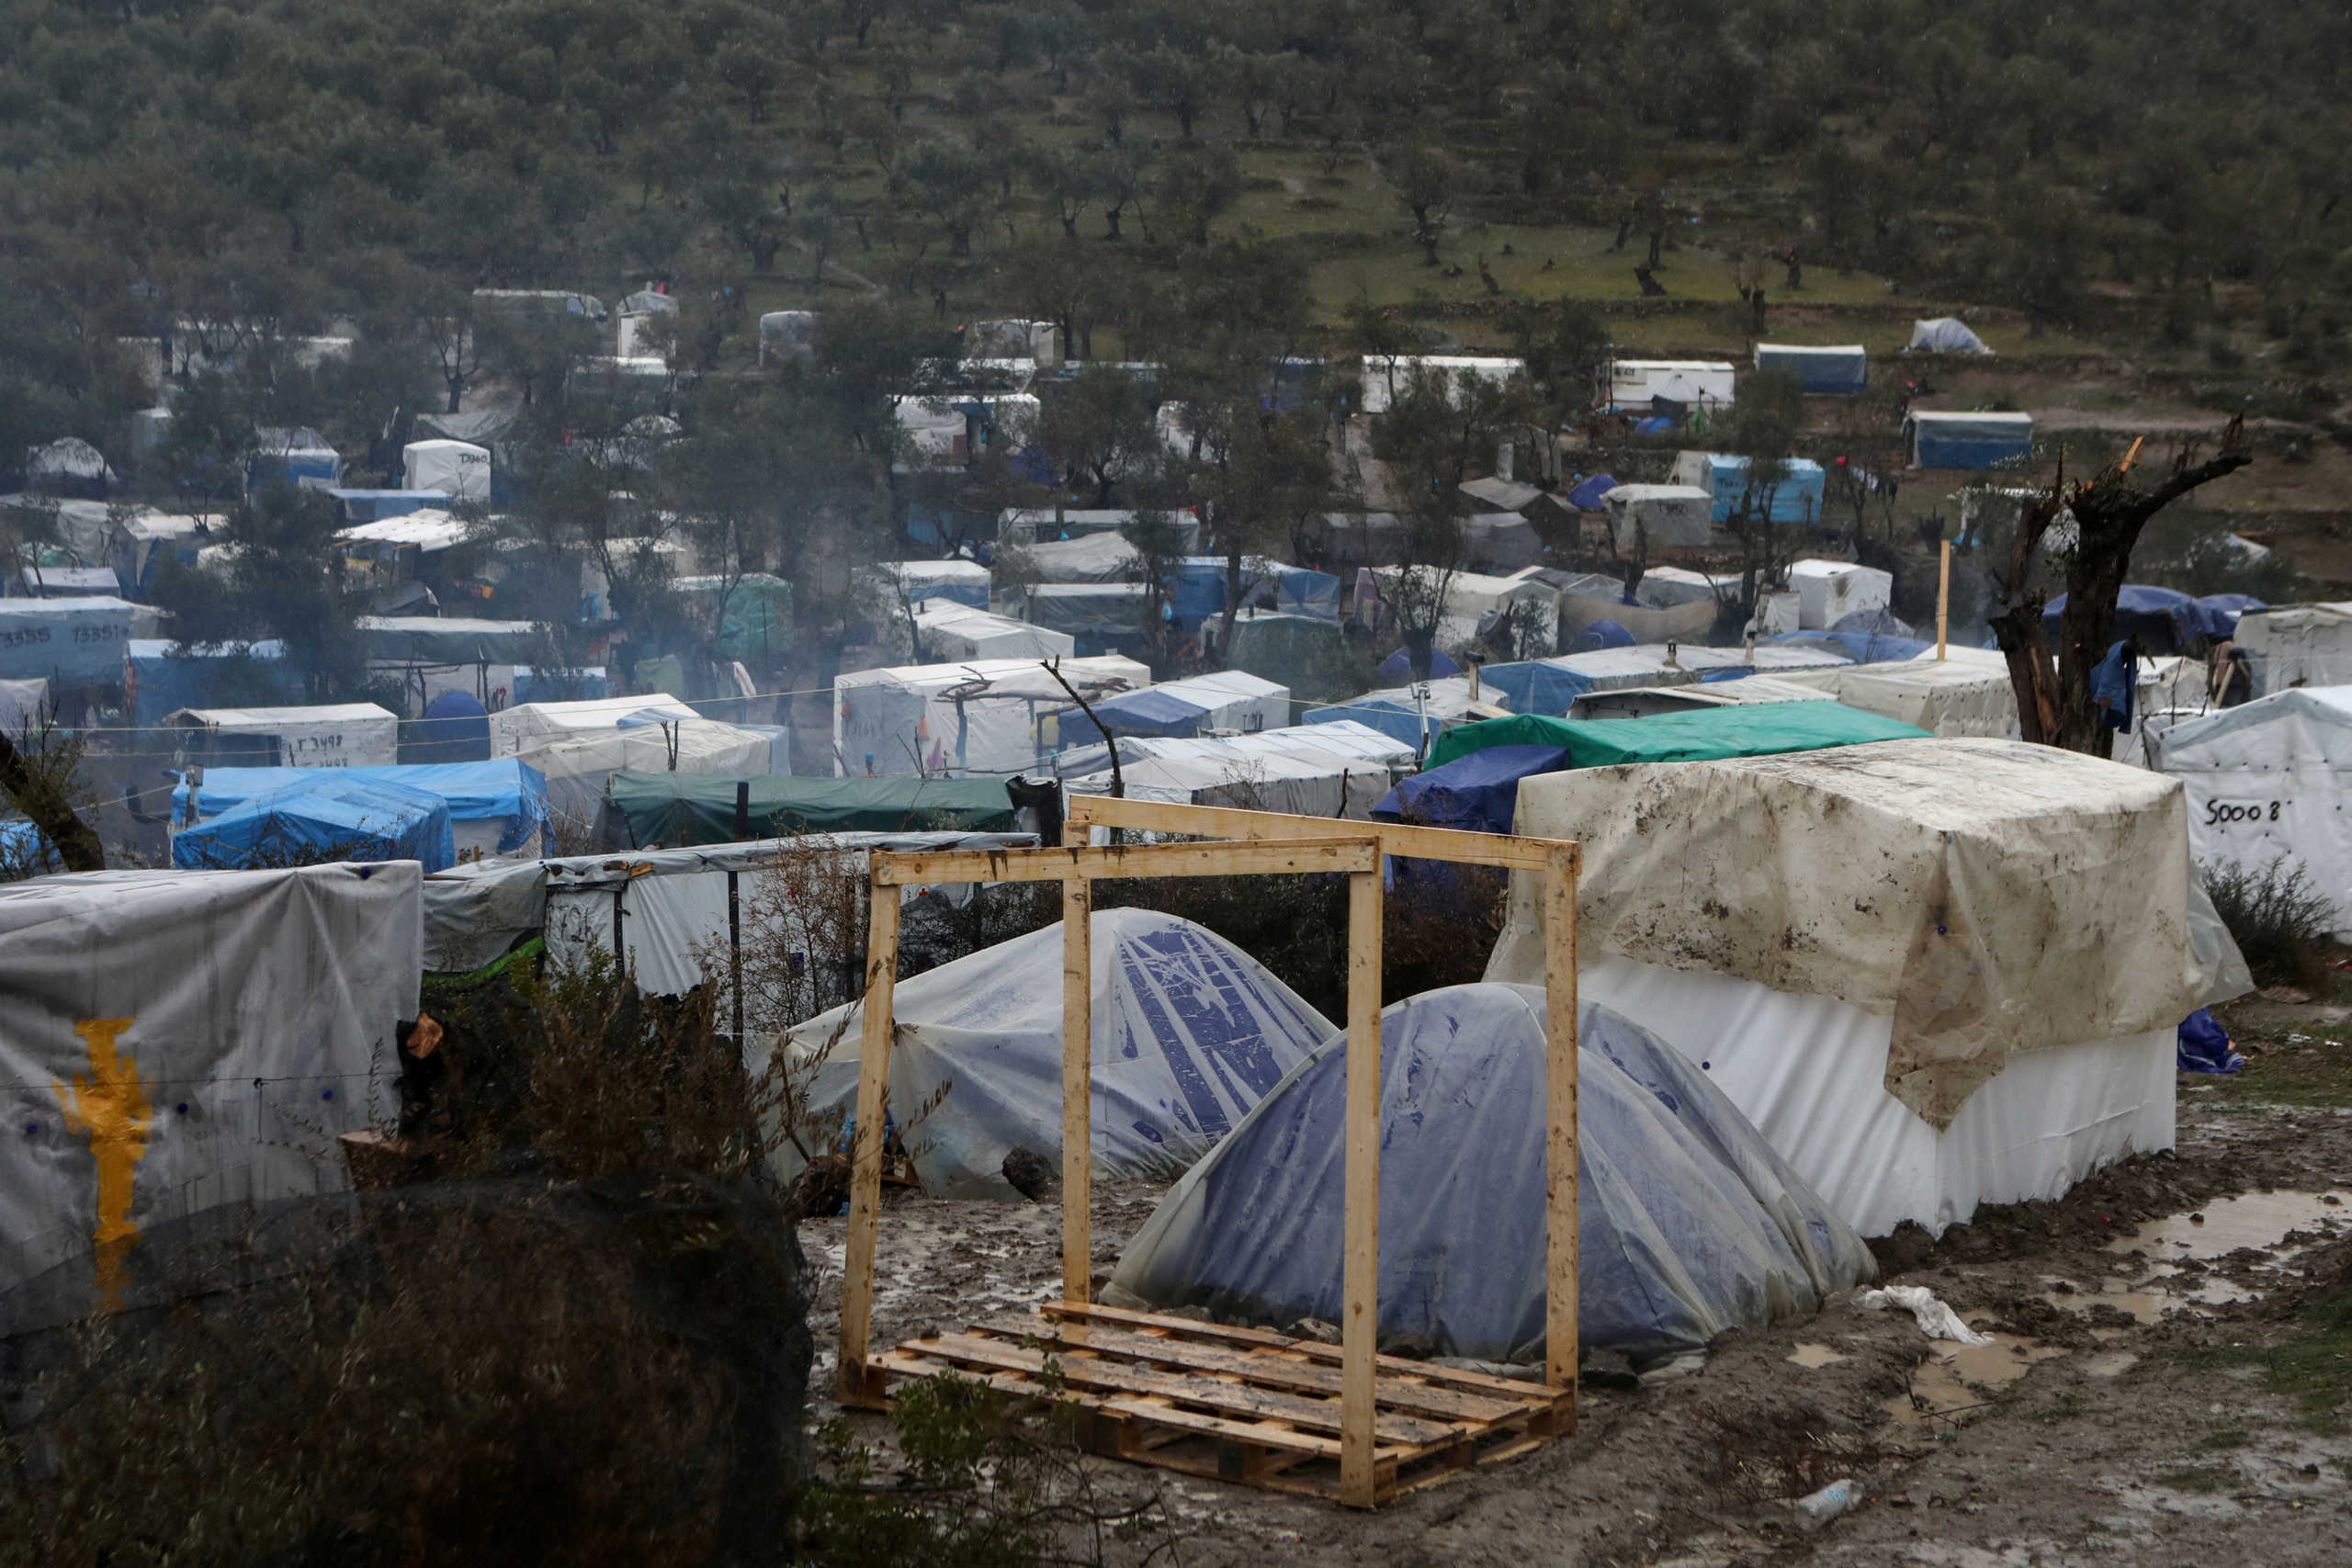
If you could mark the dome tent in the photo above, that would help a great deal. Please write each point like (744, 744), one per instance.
(1188, 1034)
(1688, 1223)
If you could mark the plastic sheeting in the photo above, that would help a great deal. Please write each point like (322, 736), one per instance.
(1397, 713)
(686, 808)
(1675, 516)
(1091, 613)
(1587, 493)
(447, 639)
(576, 769)
(249, 1017)
(1795, 498)
(948, 630)
(1189, 1033)
(458, 469)
(1476, 792)
(2163, 620)
(1760, 730)
(1843, 371)
(2270, 779)
(329, 735)
(1225, 699)
(500, 806)
(2298, 645)
(535, 724)
(1323, 770)
(74, 642)
(22, 704)
(987, 716)
(1991, 899)
(1966, 694)
(1689, 1224)
(1829, 590)
(160, 682)
(1552, 685)
(1943, 439)
(1945, 334)
(327, 814)
(1091, 557)
(964, 582)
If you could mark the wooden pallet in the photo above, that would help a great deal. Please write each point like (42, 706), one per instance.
(1240, 1404)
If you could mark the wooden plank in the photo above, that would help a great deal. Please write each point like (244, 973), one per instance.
(1332, 851)
(1297, 1374)
(1560, 1193)
(1224, 1333)
(1078, 1075)
(1943, 594)
(1228, 822)
(857, 1385)
(1359, 1281)
(1086, 1370)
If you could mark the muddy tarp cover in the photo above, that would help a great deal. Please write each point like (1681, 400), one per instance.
(1189, 1033)
(1688, 1223)
(175, 1041)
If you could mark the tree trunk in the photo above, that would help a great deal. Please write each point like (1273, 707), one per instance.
(38, 796)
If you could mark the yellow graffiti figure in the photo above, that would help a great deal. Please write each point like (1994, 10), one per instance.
(109, 1106)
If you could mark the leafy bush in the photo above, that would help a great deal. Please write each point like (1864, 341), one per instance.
(2278, 916)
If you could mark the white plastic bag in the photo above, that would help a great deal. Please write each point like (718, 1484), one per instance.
(1936, 1321)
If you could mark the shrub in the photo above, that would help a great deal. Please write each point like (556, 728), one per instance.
(2278, 916)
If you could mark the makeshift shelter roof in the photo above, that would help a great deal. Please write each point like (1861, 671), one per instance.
(981, 715)
(1842, 370)
(577, 766)
(70, 582)
(1966, 694)
(1748, 730)
(679, 809)
(1496, 494)
(1690, 1226)
(949, 630)
(2166, 620)
(447, 639)
(1189, 1033)
(1225, 699)
(1476, 792)
(1088, 612)
(1398, 666)
(327, 812)
(429, 530)
(1552, 685)
(531, 724)
(1586, 496)
(1859, 646)
(69, 458)
(1395, 712)
(1641, 702)
(1945, 334)
(509, 792)
(75, 641)
(964, 582)
(1091, 557)
(1673, 517)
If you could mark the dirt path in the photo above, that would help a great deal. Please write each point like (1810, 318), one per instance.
(2113, 1421)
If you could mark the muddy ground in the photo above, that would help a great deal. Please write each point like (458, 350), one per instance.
(2118, 1417)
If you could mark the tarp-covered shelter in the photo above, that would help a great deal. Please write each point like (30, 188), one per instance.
(341, 814)
(1474, 608)
(137, 544)
(494, 808)
(251, 1015)
(1938, 438)
(1671, 516)
(445, 639)
(1587, 494)
(1197, 584)
(297, 456)
(577, 767)
(1642, 702)
(22, 703)
(1349, 540)
(1496, 543)
(682, 809)
(1552, 685)
(947, 630)
(325, 735)
(359, 507)
(1743, 729)
(1841, 371)
(1936, 973)
(528, 724)
(1967, 692)
(69, 466)
(455, 729)
(1397, 713)
(68, 582)
(1028, 525)
(1945, 334)
(1474, 792)
(984, 715)
(2297, 645)
(1386, 375)
(71, 642)
(2163, 620)
(1090, 558)
(1232, 700)
(964, 582)
(1794, 497)
(1828, 590)
(1337, 769)
(1305, 653)
(1665, 608)
(1094, 615)
(754, 626)
(459, 470)
(1189, 1033)
(1635, 386)
(1689, 1224)
(2268, 780)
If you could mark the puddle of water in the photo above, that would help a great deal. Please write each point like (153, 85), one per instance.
(1954, 1382)
(2250, 1219)
(1813, 1356)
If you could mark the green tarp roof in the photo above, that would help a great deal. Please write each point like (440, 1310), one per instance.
(1747, 729)
(683, 809)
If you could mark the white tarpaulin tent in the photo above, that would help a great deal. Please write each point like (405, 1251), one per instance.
(1090, 558)
(1667, 611)
(1828, 590)
(2268, 778)
(2297, 645)
(326, 735)
(1027, 525)
(965, 581)
(1945, 334)
(948, 630)
(459, 469)
(535, 724)
(74, 642)
(577, 766)
(1388, 373)
(1669, 516)
(1278, 770)
(1935, 973)
(978, 716)
(1633, 383)
(1967, 693)
(1189, 1033)
(179, 1042)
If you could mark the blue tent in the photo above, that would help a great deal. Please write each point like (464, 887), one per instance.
(455, 729)
(1843, 371)
(1586, 496)
(1398, 666)
(1603, 634)
(330, 815)
(1148, 712)
(1196, 588)
(1689, 1225)
(1537, 685)
(1862, 647)
(1477, 794)
(1397, 720)
(1723, 475)
(510, 793)
(2165, 620)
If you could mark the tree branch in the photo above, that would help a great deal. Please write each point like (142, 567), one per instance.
(36, 793)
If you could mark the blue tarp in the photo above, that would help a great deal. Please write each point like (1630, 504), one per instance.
(1796, 499)
(1689, 1224)
(1398, 666)
(1395, 719)
(1196, 588)
(2204, 1046)
(332, 814)
(1844, 373)
(1148, 712)
(23, 853)
(1586, 496)
(467, 792)
(1477, 794)
(1603, 634)
(2166, 620)
(260, 677)
(1946, 439)
(455, 729)
(1536, 685)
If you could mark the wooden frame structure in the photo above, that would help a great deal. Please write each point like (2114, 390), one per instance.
(1145, 1381)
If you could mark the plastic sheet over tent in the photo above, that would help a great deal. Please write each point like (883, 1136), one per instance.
(69, 583)
(1828, 590)
(1323, 770)
(987, 716)
(1189, 1033)
(454, 728)
(1913, 965)
(683, 809)
(1474, 792)
(298, 455)
(1662, 611)
(495, 808)
(1843, 371)
(1093, 612)
(1689, 1224)
(1224, 699)
(22, 703)
(1091, 558)
(447, 639)
(1587, 493)
(2268, 778)
(263, 1002)
(74, 642)
(1795, 498)
(2298, 645)
(964, 582)
(1939, 438)
(68, 463)
(1760, 730)
(535, 724)
(949, 631)
(1968, 692)
(1552, 685)
(1945, 334)
(331, 813)
(2163, 620)
(1644, 702)
(576, 768)
(1395, 712)
(1675, 516)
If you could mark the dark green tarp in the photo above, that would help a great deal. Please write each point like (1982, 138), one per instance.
(1747, 729)
(684, 809)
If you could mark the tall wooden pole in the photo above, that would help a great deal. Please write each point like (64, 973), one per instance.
(857, 1385)
(1359, 1333)
(1943, 600)
(1560, 1189)
(1078, 1073)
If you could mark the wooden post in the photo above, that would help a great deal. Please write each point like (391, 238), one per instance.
(1560, 1189)
(1943, 600)
(1078, 1076)
(857, 1385)
(1359, 1333)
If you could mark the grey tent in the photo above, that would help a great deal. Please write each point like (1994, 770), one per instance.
(1945, 334)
